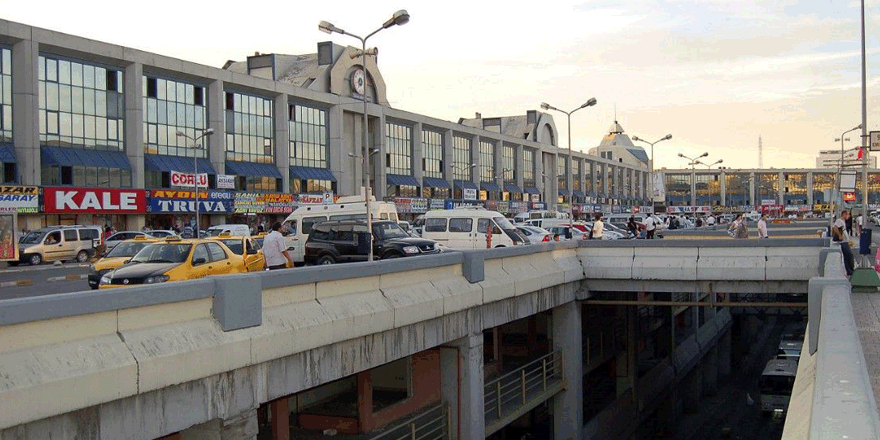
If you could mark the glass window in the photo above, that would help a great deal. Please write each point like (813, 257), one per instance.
(528, 167)
(70, 235)
(487, 161)
(508, 164)
(432, 154)
(5, 95)
(308, 129)
(561, 167)
(201, 252)
(167, 113)
(461, 224)
(435, 225)
(398, 149)
(70, 90)
(308, 222)
(217, 252)
(461, 158)
(250, 121)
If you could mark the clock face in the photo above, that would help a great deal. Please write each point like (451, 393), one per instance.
(358, 81)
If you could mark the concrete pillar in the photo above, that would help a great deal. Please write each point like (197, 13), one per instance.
(134, 118)
(723, 187)
(25, 111)
(780, 188)
(568, 414)
(594, 185)
(810, 189)
(475, 159)
(551, 192)
(217, 121)
(532, 334)
(724, 347)
(752, 196)
(282, 141)
(365, 400)
(280, 414)
(240, 427)
(448, 172)
(692, 390)
(498, 157)
(417, 153)
(461, 385)
(519, 166)
(710, 372)
(346, 169)
(378, 159)
(540, 180)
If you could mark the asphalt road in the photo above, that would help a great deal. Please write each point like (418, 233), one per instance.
(24, 281)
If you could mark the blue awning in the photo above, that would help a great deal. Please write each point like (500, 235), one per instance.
(563, 192)
(252, 169)
(464, 184)
(67, 157)
(433, 182)
(7, 154)
(489, 186)
(531, 190)
(578, 193)
(155, 162)
(509, 187)
(401, 180)
(311, 173)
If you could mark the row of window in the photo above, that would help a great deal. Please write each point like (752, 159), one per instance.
(5, 95)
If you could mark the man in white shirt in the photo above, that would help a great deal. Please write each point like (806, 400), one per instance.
(650, 226)
(762, 227)
(275, 250)
(598, 227)
(839, 236)
(710, 221)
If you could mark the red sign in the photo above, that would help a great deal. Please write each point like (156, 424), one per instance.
(849, 197)
(94, 201)
(187, 180)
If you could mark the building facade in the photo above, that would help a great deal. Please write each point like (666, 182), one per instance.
(830, 159)
(95, 133)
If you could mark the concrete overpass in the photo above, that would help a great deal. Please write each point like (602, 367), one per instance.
(199, 359)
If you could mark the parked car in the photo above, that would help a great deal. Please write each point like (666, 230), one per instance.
(534, 234)
(245, 247)
(118, 256)
(175, 259)
(344, 241)
(238, 230)
(121, 236)
(160, 233)
(59, 243)
(562, 232)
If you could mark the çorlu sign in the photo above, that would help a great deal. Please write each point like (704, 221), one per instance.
(187, 180)
(94, 201)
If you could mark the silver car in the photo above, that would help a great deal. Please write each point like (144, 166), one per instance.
(534, 234)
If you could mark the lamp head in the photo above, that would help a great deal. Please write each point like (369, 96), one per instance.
(545, 106)
(590, 102)
(181, 133)
(636, 138)
(668, 137)
(399, 18)
(720, 161)
(209, 132)
(680, 155)
(703, 155)
(327, 27)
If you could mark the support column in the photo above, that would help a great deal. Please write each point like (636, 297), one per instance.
(752, 195)
(346, 169)
(461, 384)
(378, 159)
(498, 167)
(448, 172)
(25, 111)
(280, 414)
(710, 372)
(568, 414)
(810, 189)
(240, 427)
(519, 166)
(723, 187)
(540, 180)
(724, 347)
(475, 159)
(780, 189)
(217, 121)
(282, 141)
(134, 127)
(626, 365)
(417, 154)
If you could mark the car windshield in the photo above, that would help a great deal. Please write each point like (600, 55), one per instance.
(126, 249)
(503, 223)
(234, 245)
(388, 230)
(163, 253)
(213, 232)
(32, 237)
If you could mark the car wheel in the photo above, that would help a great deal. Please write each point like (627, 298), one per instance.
(326, 259)
(82, 257)
(35, 259)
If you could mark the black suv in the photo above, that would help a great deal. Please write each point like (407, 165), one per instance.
(344, 241)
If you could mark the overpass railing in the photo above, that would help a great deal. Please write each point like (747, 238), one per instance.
(432, 424)
(513, 392)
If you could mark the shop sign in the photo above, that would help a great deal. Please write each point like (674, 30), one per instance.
(188, 179)
(311, 199)
(791, 207)
(503, 207)
(768, 202)
(469, 193)
(411, 205)
(492, 205)
(263, 203)
(452, 204)
(806, 207)
(849, 197)
(94, 201)
(703, 209)
(21, 199)
(225, 181)
(647, 209)
(436, 204)
(536, 198)
(539, 206)
(615, 209)
(167, 201)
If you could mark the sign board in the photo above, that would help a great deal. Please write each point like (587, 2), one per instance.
(469, 193)
(187, 180)
(874, 139)
(848, 181)
(411, 205)
(328, 198)
(167, 201)
(8, 239)
(768, 202)
(94, 201)
(225, 181)
(21, 199)
(659, 186)
(536, 198)
(849, 197)
(259, 203)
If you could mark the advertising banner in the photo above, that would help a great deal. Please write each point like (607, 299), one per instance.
(21, 199)
(168, 201)
(416, 205)
(659, 186)
(311, 199)
(436, 204)
(452, 204)
(225, 181)
(538, 206)
(263, 203)
(469, 193)
(94, 201)
(8, 239)
(187, 180)
(503, 207)
(536, 198)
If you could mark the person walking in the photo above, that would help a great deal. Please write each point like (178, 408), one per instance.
(598, 227)
(742, 231)
(841, 238)
(762, 227)
(275, 250)
(650, 227)
(632, 226)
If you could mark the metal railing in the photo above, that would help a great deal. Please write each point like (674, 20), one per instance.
(513, 390)
(432, 424)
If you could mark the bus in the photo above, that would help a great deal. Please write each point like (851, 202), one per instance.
(776, 384)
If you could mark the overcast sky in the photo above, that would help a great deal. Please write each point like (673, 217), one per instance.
(715, 74)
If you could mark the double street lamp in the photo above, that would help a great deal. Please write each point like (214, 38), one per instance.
(664, 138)
(399, 18)
(590, 102)
(709, 166)
(196, 146)
(693, 162)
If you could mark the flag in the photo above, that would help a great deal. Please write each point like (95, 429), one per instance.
(861, 153)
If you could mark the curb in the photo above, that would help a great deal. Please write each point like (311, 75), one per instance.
(66, 278)
(15, 283)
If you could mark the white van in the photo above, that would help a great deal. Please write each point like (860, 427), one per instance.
(299, 223)
(235, 230)
(465, 228)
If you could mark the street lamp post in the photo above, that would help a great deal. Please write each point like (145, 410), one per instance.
(665, 138)
(399, 18)
(709, 166)
(693, 162)
(196, 146)
(836, 207)
(590, 102)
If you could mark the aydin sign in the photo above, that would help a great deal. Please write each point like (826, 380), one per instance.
(187, 180)
(75, 200)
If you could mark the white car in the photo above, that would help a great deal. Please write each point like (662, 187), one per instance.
(534, 234)
(121, 236)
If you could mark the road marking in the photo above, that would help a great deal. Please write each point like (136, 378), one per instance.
(15, 283)
(67, 278)
(43, 267)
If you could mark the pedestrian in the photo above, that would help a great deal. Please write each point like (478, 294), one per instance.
(275, 250)
(598, 227)
(632, 226)
(742, 231)
(849, 225)
(762, 227)
(699, 222)
(842, 238)
(650, 226)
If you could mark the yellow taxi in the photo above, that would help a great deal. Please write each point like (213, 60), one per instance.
(117, 256)
(175, 259)
(245, 247)
(259, 240)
